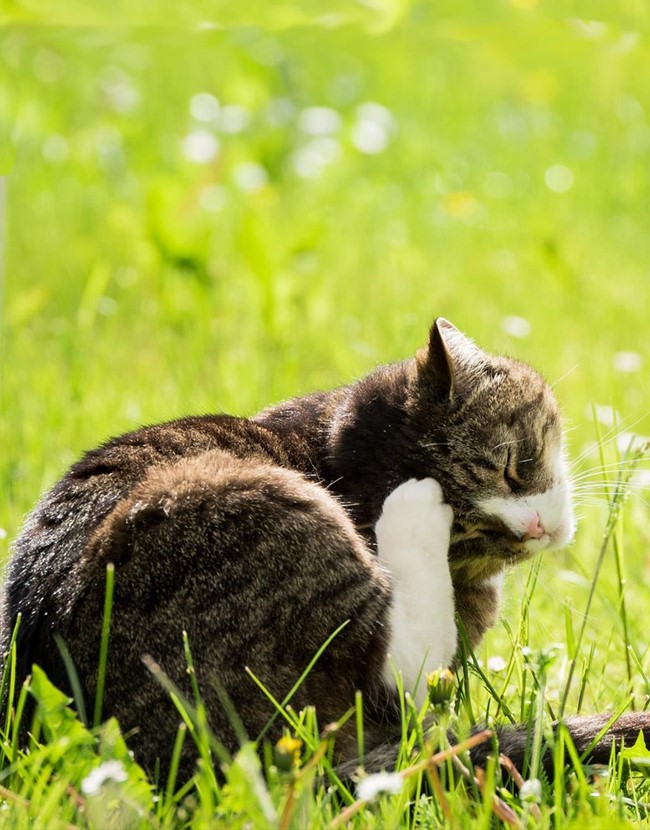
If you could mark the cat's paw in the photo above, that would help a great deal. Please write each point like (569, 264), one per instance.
(415, 518)
(413, 544)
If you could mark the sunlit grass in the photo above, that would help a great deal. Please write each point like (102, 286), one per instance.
(71, 775)
(214, 220)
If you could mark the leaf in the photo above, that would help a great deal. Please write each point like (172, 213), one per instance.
(246, 791)
(637, 754)
(53, 709)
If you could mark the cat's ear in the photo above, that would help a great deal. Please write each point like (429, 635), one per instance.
(448, 358)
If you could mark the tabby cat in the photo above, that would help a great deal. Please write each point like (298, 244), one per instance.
(391, 503)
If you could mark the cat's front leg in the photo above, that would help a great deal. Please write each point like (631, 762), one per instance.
(413, 543)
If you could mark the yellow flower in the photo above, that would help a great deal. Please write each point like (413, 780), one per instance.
(440, 685)
(286, 753)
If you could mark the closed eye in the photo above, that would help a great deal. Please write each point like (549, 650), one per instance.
(513, 483)
(510, 476)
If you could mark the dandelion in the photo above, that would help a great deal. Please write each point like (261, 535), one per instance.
(382, 782)
(286, 753)
(108, 771)
(440, 686)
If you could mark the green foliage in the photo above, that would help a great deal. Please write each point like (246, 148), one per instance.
(184, 232)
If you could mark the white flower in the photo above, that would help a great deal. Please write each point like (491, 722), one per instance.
(603, 413)
(372, 130)
(310, 161)
(200, 146)
(234, 119)
(121, 93)
(496, 663)
(319, 121)
(558, 178)
(531, 791)
(642, 479)
(371, 111)
(204, 106)
(250, 176)
(627, 361)
(630, 442)
(516, 326)
(108, 771)
(383, 782)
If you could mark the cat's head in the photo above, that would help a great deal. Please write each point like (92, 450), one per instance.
(494, 438)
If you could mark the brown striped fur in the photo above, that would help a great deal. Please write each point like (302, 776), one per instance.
(256, 537)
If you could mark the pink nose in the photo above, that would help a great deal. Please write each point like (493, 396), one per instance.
(535, 529)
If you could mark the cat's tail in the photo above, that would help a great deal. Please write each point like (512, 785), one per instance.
(592, 738)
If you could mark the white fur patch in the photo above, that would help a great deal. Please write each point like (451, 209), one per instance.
(553, 507)
(413, 543)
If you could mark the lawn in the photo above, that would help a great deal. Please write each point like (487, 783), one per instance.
(211, 208)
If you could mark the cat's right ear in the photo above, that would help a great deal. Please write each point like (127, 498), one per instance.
(446, 360)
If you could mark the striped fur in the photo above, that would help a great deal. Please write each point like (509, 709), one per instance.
(257, 538)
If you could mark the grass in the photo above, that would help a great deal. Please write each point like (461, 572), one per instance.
(74, 775)
(143, 280)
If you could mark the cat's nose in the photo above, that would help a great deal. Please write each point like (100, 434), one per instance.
(535, 529)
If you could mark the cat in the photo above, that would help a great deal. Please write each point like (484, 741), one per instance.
(387, 507)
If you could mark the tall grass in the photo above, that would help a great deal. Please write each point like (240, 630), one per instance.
(167, 253)
(69, 774)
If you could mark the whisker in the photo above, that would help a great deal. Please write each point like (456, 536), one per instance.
(565, 375)
(615, 430)
(507, 443)
(595, 483)
(614, 466)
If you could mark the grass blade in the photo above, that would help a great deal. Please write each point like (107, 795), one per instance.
(103, 647)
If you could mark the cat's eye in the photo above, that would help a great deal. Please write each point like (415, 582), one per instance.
(513, 483)
(510, 476)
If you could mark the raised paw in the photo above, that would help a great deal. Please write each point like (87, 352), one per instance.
(414, 518)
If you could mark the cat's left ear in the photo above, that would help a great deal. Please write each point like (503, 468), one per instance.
(447, 360)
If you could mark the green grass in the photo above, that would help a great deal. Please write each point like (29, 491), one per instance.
(140, 285)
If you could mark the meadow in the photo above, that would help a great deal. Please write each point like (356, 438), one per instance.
(209, 209)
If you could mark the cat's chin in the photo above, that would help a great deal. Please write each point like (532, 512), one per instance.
(485, 555)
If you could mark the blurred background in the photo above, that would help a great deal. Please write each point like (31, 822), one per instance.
(210, 207)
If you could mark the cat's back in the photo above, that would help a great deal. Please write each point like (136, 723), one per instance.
(214, 529)
(56, 531)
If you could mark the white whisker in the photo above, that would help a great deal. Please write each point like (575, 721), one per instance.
(565, 375)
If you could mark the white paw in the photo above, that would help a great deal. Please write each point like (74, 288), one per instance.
(414, 518)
